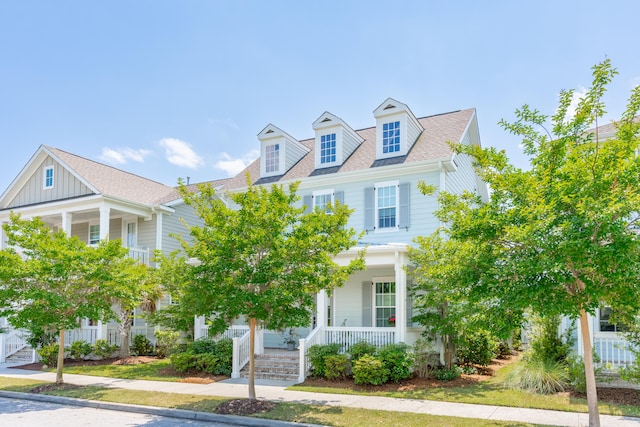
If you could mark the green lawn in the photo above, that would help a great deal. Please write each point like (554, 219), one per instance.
(489, 392)
(314, 414)
(141, 371)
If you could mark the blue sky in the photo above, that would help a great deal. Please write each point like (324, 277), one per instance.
(169, 89)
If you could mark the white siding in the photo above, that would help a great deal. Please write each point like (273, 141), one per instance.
(293, 153)
(81, 230)
(347, 308)
(147, 234)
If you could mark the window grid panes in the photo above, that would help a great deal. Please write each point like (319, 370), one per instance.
(387, 202)
(48, 177)
(94, 234)
(272, 158)
(322, 201)
(328, 148)
(385, 303)
(391, 137)
(605, 325)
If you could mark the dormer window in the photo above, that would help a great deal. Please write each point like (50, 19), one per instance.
(279, 151)
(48, 177)
(334, 142)
(272, 158)
(397, 129)
(391, 137)
(328, 148)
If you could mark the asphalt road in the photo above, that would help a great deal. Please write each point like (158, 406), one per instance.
(28, 413)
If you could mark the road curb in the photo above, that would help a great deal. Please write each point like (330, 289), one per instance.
(153, 410)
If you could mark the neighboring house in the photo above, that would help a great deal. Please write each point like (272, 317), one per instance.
(94, 201)
(376, 172)
(607, 339)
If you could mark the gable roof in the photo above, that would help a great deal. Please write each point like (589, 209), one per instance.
(99, 178)
(431, 145)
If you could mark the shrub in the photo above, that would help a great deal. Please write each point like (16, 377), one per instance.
(370, 370)
(317, 353)
(202, 345)
(469, 370)
(103, 349)
(477, 348)
(538, 376)
(80, 349)
(397, 360)
(546, 343)
(575, 371)
(425, 359)
(166, 342)
(141, 346)
(448, 374)
(337, 366)
(217, 360)
(503, 350)
(361, 348)
(49, 354)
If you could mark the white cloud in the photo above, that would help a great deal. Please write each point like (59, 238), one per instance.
(121, 156)
(234, 166)
(180, 153)
(577, 94)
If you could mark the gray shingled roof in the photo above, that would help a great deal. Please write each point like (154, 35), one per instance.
(431, 145)
(113, 182)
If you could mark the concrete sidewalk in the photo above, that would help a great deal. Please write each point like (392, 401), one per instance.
(276, 391)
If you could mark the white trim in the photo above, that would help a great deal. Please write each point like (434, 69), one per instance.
(326, 192)
(374, 306)
(44, 177)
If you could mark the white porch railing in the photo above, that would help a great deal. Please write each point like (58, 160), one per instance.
(140, 254)
(315, 337)
(347, 336)
(234, 331)
(242, 350)
(113, 334)
(613, 351)
(88, 335)
(11, 343)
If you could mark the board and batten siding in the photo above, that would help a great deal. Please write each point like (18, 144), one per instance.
(421, 219)
(65, 186)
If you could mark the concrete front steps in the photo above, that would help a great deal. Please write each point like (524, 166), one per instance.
(23, 356)
(275, 364)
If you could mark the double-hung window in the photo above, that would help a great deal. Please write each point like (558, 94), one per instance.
(94, 234)
(323, 200)
(386, 196)
(48, 177)
(328, 148)
(272, 158)
(391, 137)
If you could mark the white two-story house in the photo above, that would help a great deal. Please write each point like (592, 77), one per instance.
(94, 201)
(375, 171)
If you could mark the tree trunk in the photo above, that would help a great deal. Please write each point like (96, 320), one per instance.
(60, 358)
(592, 393)
(449, 351)
(252, 348)
(124, 330)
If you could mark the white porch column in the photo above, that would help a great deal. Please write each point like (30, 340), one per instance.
(401, 297)
(104, 221)
(67, 218)
(3, 236)
(321, 308)
(159, 217)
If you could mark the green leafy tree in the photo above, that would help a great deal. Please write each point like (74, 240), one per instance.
(58, 280)
(262, 258)
(560, 237)
(445, 305)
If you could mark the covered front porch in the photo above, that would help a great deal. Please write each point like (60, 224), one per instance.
(373, 306)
